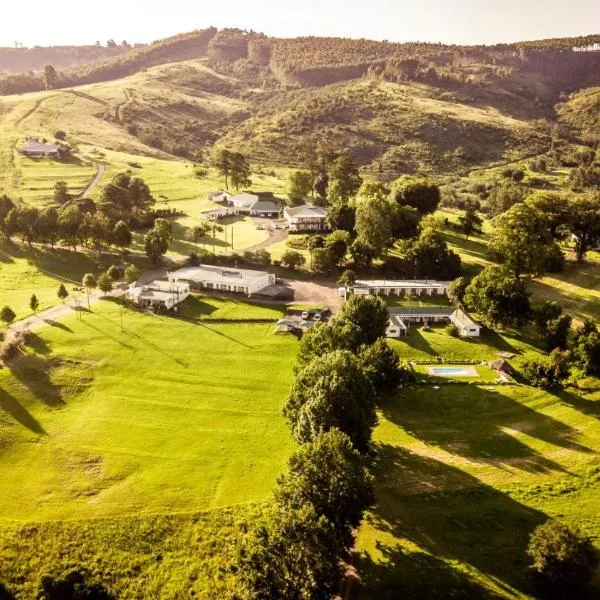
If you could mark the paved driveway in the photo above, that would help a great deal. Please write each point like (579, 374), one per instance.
(311, 292)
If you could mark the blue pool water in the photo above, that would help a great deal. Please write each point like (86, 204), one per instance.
(447, 371)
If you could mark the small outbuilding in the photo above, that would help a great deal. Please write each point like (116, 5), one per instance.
(37, 149)
(501, 366)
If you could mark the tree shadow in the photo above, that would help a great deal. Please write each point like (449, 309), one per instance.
(452, 515)
(584, 405)
(19, 413)
(34, 373)
(57, 324)
(417, 574)
(495, 340)
(416, 341)
(482, 426)
(35, 342)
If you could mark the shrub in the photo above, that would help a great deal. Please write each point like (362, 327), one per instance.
(12, 344)
(547, 372)
(115, 272)
(452, 330)
(292, 259)
(562, 555)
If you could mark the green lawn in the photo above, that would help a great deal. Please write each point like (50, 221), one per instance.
(463, 475)
(203, 307)
(483, 373)
(25, 271)
(423, 345)
(169, 416)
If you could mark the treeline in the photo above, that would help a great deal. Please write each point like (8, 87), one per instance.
(180, 47)
(343, 370)
(23, 60)
(126, 204)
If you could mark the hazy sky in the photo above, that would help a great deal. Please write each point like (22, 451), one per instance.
(45, 22)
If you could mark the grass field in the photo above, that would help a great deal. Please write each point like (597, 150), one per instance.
(207, 307)
(463, 476)
(167, 417)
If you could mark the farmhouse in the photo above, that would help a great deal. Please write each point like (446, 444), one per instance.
(408, 287)
(306, 218)
(36, 149)
(225, 279)
(255, 205)
(158, 294)
(402, 317)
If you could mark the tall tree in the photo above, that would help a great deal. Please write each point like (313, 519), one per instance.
(332, 391)
(329, 475)
(499, 298)
(344, 179)
(417, 192)
(240, 171)
(7, 315)
(50, 77)
(470, 222)
(61, 192)
(300, 186)
(374, 223)
(34, 303)
(369, 314)
(584, 223)
(522, 240)
(121, 236)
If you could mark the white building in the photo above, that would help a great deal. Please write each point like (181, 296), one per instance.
(408, 287)
(158, 294)
(255, 205)
(466, 326)
(402, 317)
(307, 217)
(225, 279)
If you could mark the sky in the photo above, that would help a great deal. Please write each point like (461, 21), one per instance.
(58, 22)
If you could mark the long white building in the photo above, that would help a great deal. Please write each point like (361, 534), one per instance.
(406, 287)
(225, 279)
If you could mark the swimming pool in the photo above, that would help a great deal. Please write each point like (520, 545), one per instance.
(453, 371)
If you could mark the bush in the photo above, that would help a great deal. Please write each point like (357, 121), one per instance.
(12, 344)
(547, 372)
(561, 555)
(292, 259)
(452, 330)
(115, 272)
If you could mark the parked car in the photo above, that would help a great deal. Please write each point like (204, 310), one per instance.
(305, 314)
(317, 316)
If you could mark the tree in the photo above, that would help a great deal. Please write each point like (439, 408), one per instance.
(69, 223)
(62, 292)
(222, 162)
(6, 205)
(332, 391)
(337, 334)
(430, 256)
(562, 555)
(7, 315)
(300, 186)
(341, 216)
(72, 585)
(369, 314)
(115, 273)
(337, 243)
(322, 260)
(522, 241)
(34, 303)
(456, 290)
(556, 210)
(290, 555)
(292, 259)
(405, 222)
(61, 192)
(131, 274)
(552, 324)
(362, 254)
(105, 283)
(121, 236)
(417, 192)
(381, 363)
(50, 77)
(329, 476)
(546, 372)
(503, 197)
(471, 222)
(157, 240)
(89, 283)
(46, 225)
(584, 223)
(240, 171)
(499, 297)
(586, 347)
(347, 279)
(344, 179)
(374, 223)
(200, 230)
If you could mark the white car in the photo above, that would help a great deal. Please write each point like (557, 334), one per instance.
(305, 314)
(317, 317)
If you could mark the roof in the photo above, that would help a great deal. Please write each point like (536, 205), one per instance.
(421, 311)
(464, 319)
(500, 365)
(244, 200)
(35, 146)
(306, 211)
(396, 321)
(264, 206)
(404, 283)
(212, 272)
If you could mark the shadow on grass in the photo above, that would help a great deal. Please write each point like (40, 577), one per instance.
(225, 335)
(58, 325)
(482, 426)
(417, 341)
(450, 514)
(34, 373)
(38, 344)
(193, 306)
(587, 407)
(11, 405)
